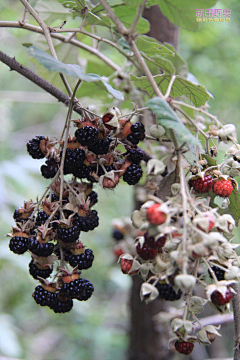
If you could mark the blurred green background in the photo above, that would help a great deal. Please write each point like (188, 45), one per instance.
(97, 329)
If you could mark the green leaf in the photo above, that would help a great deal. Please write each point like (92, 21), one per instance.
(127, 15)
(133, 2)
(152, 47)
(51, 11)
(197, 94)
(178, 62)
(166, 117)
(211, 161)
(182, 13)
(69, 69)
(163, 63)
(233, 208)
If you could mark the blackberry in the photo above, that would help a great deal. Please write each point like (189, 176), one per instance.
(218, 272)
(101, 146)
(61, 306)
(44, 297)
(80, 289)
(93, 197)
(89, 222)
(17, 217)
(73, 159)
(167, 292)
(159, 243)
(133, 174)
(117, 235)
(19, 244)
(135, 155)
(87, 135)
(50, 169)
(137, 133)
(184, 347)
(36, 271)
(41, 218)
(33, 147)
(70, 234)
(54, 197)
(82, 171)
(82, 261)
(40, 249)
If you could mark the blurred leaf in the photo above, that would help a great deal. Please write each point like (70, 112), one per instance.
(51, 11)
(166, 117)
(233, 208)
(182, 13)
(197, 94)
(133, 2)
(9, 344)
(52, 65)
(152, 47)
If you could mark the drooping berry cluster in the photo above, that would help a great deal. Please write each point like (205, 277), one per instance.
(49, 229)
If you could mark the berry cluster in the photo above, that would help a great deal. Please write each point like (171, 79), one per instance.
(220, 187)
(50, 228)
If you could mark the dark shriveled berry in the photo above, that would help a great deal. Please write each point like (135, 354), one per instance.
(218, 272)
(93, 198)
(44, 297)
(133, 174)
(117, 235)
(87, 135)
(19, 244)
(167, 292)
(33, 147)
(184, 347)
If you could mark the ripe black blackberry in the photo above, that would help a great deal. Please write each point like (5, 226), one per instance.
(117, 235)
(40, 249)
(41, 218)
(133, 174)
(167, 292)
(93, 197)
(135, 155)
(80, 289)
(19, 244)
(33, 147)
(82, 171)
(137, 133)
(101, 146)
(89, 222)
(73, 159)
(36, 271)
(17, 217)
(50, 169)
(44, 297)
(87, 135)
(62, 306)
(82, 261)
(218, 272)
(69, 234)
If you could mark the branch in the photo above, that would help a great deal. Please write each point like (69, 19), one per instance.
(119, 25)
(39, 81)
(139, 13)
(37, 29)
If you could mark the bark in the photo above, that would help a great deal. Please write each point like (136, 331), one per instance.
(148, 339)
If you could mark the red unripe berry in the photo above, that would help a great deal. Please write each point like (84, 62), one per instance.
(203, 185)
(146, 252)
(126, 266)
(155, 244)
(118, 252)
(222, 188)
(154, 216)
(218, 299)
(184, 347)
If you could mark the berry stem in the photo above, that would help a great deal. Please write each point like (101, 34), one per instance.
(196, 319)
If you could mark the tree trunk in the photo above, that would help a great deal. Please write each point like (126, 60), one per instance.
(149, 340)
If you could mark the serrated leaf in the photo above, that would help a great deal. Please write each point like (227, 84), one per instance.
(163, 63)
(52, 65)
(197, 94)
(182, 13)
(152, 47)
(166, 117)
(127, 15)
